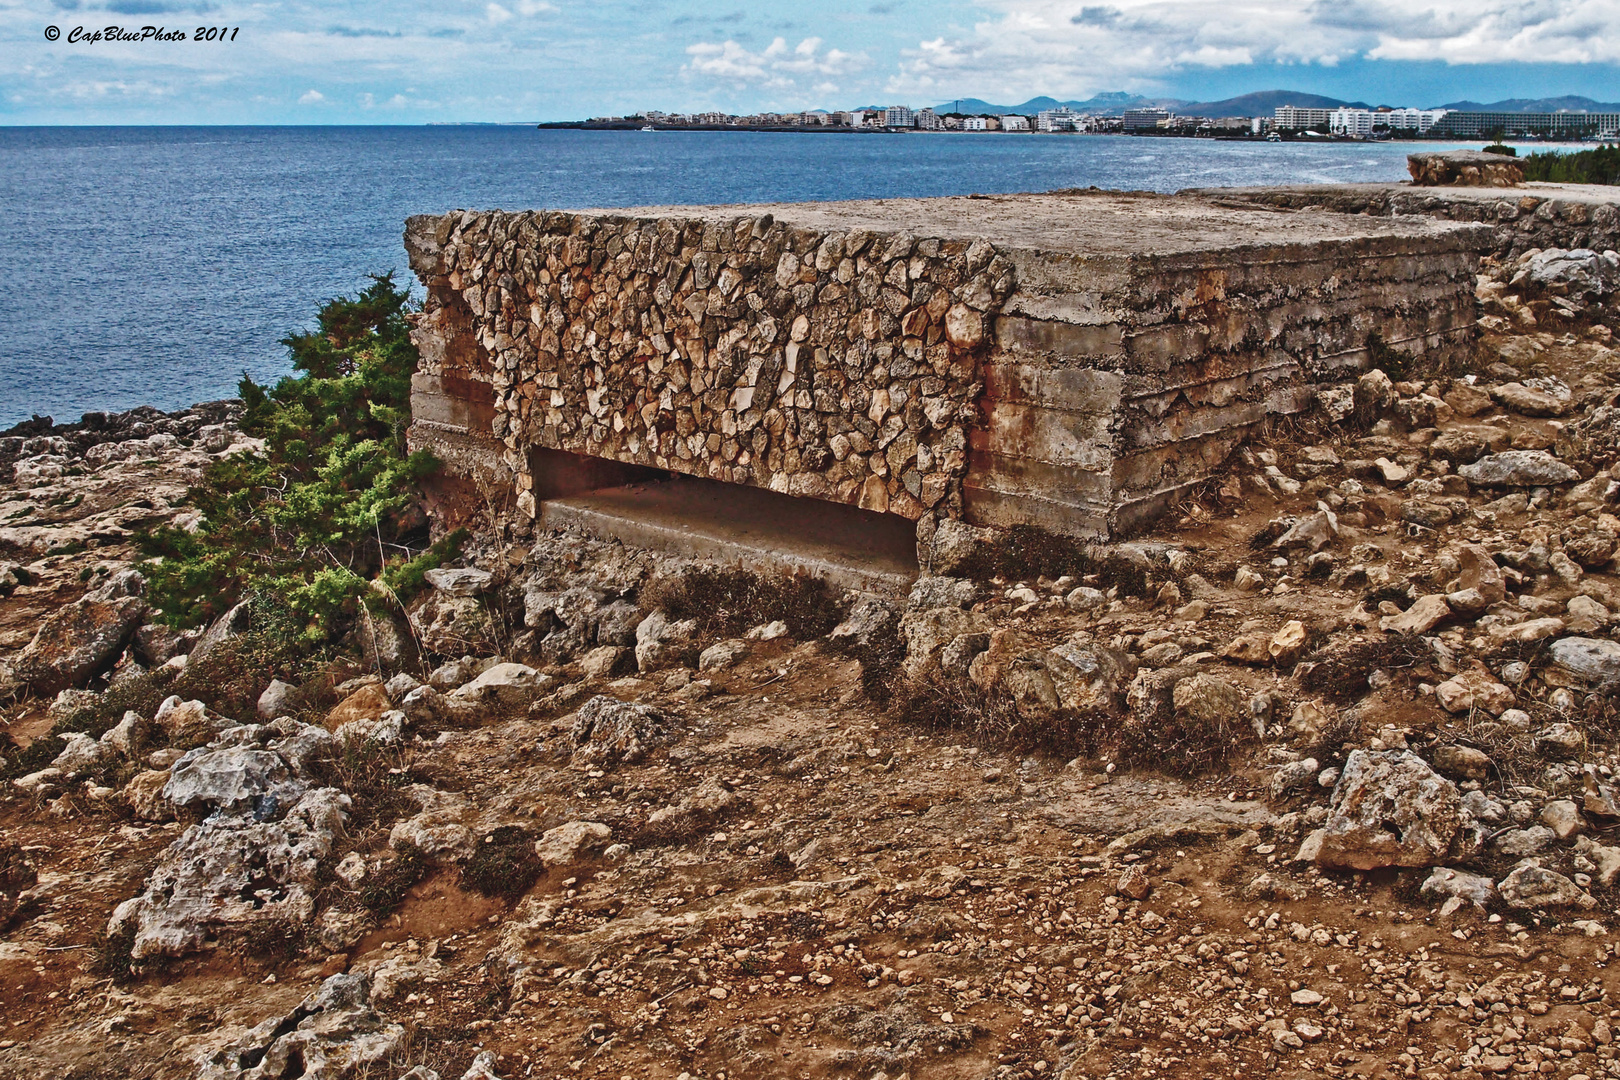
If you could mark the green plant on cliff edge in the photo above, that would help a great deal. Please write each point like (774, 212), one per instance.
(1599, 165)
(314, 515)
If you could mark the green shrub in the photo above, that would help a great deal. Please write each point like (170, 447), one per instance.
(310, 517)
(1600, 165)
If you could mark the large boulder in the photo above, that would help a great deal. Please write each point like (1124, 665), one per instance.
(1594, 660)
(1208, 702)
(1464, 168)
(187, 723)
(1474, 689)
(660, 642)
(927, 632)
(1518, 468)
(1529, 885)
(1535, 397)
(1085, 675)
(572, 842)
(957, 548)
(1444, 881)
(1389, 809)
(452, 625)
(937, 592)
(82, 756)
(1579, 272)
(438, 835)
(77, 642)
(507, 685)
(870, 621)
(722, 654)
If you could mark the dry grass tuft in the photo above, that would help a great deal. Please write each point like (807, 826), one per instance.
(1026, 553)
(504, 866)
(1340, 675)
(728, 600)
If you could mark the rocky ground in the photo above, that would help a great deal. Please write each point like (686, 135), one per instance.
(1318, 780)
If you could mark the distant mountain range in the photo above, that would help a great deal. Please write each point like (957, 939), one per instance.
(1567, 103)
(1259, 103)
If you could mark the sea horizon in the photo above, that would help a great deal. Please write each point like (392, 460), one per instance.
(157, 263)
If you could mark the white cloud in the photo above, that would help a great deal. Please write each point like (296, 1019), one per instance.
(530, 8)
(312, 97)
(117, 89)
(496, 14)
(778, 67)
(1065, 47)
(1573, 31)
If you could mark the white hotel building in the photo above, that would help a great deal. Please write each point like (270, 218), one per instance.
(1355, 123)
(1345, 121)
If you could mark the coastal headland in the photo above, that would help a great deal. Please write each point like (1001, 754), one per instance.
(1086, 634)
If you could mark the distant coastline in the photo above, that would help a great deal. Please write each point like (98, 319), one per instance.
(811, 129)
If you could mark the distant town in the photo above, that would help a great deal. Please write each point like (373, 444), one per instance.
(1285, 122)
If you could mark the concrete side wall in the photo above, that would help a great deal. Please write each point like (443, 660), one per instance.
(840, 366)
(1519, 219)
(1117, 384)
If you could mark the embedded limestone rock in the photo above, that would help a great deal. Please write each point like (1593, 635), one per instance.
(571, 842)
(78, 641)
(1473, 888)
(229, 874)
(1389, 809)
(232, 779)
(1528, 885)
(333, 1034)
(1595, 660)
(607, 731)
(1518, 468)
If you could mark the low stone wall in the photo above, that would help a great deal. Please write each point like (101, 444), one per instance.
(1073, 360)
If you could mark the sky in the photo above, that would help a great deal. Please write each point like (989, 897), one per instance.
(332, 62)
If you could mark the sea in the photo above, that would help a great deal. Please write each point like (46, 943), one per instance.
(157, 265)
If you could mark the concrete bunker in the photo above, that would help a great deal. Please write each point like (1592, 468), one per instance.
(1071, 360)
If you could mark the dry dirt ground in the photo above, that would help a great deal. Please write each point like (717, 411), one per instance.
(798, 883)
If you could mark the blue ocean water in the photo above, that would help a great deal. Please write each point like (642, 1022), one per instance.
(155, 265)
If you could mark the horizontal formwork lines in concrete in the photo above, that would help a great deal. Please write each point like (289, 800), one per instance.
(1177, 425)
(1247, 266)
(1187, 353)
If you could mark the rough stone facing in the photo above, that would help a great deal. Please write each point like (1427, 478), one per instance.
(1465, 168)
(840, 365)
(1070, 360)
